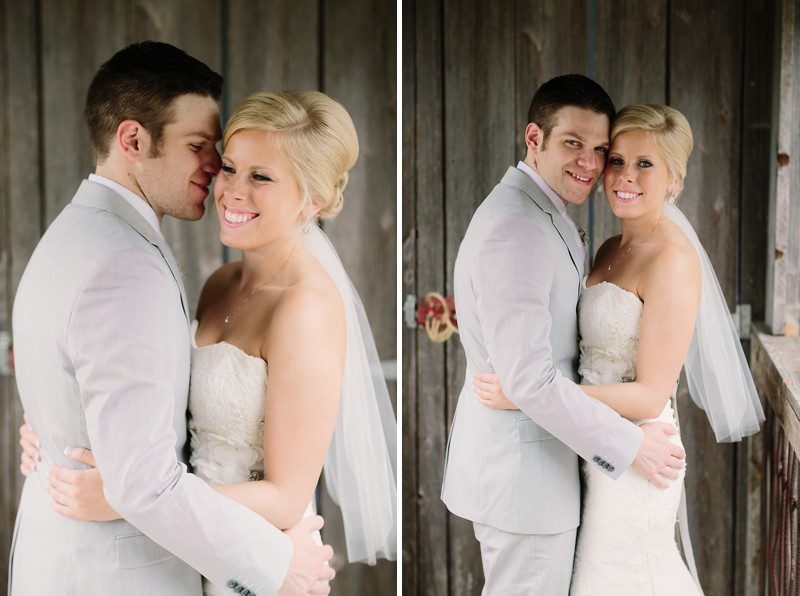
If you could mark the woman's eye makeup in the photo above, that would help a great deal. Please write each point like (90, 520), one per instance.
(261, 178)
(228, 169)
(615, 161)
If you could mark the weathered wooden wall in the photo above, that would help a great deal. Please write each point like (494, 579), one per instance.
(470, 69)
(50, 49)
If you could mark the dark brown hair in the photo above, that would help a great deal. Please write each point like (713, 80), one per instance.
(140, 82)
(568, 90)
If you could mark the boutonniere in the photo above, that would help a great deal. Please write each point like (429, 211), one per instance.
(584, 235)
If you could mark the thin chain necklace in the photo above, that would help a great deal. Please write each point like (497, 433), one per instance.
(263, 285)
(646, 238)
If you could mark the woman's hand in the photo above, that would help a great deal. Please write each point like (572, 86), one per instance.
(78, 494)
(30, 448)
(490, 393)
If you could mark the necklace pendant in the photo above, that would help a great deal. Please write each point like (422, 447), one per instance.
(226, 320)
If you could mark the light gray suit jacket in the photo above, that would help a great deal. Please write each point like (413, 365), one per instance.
(102, 349)
(517, 282)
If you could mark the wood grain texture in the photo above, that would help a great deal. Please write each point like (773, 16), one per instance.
(751, 456)
(20, 221)
(410, 520)
(68, 63)
(783, 265)
(271, 46)
(432, 575)
(759, 42)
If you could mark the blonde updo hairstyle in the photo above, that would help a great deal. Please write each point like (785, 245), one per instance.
(670, 130)
(315, 133)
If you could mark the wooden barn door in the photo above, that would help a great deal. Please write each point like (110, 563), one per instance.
(49, 52)
(469, 72)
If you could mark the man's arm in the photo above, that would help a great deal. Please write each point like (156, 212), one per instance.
(123, 341)
(512, 279)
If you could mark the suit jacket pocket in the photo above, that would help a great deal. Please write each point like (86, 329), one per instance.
(528, 431)
(137, 550)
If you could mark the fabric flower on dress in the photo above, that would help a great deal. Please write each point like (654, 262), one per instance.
(223, 460)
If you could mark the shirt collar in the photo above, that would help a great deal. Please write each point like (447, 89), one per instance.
(534, 175)
(141, 206)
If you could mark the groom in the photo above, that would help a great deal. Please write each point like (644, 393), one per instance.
(518, 275)
(102, 349)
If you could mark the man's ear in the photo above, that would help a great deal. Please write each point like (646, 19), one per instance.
(132, 140)
(534, 138)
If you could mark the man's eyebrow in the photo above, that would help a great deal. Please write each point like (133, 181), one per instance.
(581, 139)
(200, 133)
(572, 134)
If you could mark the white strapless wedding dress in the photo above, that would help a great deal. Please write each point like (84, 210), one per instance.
(226, 402)
(626, 541)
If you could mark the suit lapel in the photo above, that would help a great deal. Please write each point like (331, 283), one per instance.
(98, 196)
(520, 180)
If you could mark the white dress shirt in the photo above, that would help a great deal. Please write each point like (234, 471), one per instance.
(558, 202)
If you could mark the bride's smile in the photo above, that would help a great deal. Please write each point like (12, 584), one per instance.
(259, 201)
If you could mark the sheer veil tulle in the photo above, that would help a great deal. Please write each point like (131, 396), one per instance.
(361, 464)
(716, 370)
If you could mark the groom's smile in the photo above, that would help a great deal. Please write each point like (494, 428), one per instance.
(572, 156)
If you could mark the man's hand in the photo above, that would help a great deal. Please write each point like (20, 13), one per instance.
(309, 572)
(659, 459)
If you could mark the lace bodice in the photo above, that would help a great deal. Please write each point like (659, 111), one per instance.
(226, 401)
(609, 320)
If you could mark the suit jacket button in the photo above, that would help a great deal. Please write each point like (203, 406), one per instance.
(596, 458)
(232, 583)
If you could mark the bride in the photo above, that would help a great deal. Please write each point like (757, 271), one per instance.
(285, 376)
(650, 306)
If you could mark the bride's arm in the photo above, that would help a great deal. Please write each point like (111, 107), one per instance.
(305, 348)
(670, 289)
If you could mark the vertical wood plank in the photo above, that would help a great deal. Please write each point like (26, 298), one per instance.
(631, 63)
(271, 46)
(20, 215)
(359, 70)
(428, 199)
(710, 97)
(480, 139)
(410, 520)
(77, 37)
(783, 264)
(759, 36)
(195, 27)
